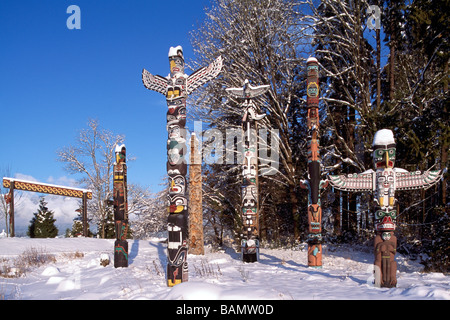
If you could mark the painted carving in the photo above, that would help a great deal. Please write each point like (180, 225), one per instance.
(249, 205)
(313, 183)
(384, 182)
(120, 208)
(176, 87)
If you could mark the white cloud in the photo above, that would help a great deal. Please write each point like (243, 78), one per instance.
(25, 177)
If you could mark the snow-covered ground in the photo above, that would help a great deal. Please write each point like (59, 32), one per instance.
(280, 274)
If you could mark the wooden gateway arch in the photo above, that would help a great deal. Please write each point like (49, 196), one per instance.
(19, 184)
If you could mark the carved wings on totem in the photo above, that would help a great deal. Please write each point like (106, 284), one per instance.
(201, 76)
(154, 83)
(354, 182)
(248, 91)
(403, 180)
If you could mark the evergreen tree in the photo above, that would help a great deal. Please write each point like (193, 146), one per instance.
(77, 227)
(43, 224)
(109, 231)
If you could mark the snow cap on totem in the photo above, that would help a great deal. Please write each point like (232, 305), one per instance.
(311, 59)
(383, 137)
(120, 153)
(119, 148)
(173, 51)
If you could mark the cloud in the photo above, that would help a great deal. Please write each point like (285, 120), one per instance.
(25, 177)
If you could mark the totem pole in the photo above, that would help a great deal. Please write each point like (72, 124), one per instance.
(383, 182)
(195, 200)
(176, 87)
(120, 208)
(313, 182)
(250, 216)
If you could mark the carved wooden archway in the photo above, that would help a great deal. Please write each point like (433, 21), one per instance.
(19, 184)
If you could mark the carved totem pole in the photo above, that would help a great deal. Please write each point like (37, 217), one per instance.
(176, 87)
(120, 208)
(383, 182)
(195, 200)
(250, 216)
(313, 182)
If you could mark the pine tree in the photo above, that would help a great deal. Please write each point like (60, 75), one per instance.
(109, 232)
(43, 224)
(77, 227)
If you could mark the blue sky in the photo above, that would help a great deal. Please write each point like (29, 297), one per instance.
(52, 79)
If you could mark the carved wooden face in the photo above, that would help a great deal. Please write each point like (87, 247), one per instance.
(121, 154)
(384, 156)
(249, 170)
(385, 220)
(384, 149)
(249, 196)
(176, 113)
(176, 204)
(177, 185)
(177, 63)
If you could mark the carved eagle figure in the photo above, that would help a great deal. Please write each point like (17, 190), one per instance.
(386, 179)
(248, 91)
(201, 76)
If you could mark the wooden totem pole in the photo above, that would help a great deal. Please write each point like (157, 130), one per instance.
(383, 182)
(195, 200)
(120, 208)
(313, 182)
(250, 216)
(176, 87)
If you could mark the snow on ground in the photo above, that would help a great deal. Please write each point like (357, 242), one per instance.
(279, 275)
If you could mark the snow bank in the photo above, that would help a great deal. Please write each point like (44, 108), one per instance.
(15, 246)
(279, 275)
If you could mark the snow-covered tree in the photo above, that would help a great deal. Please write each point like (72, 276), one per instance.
(149, 211)
(92, 158)
(42, 225)
(77, 227)
(262, 41)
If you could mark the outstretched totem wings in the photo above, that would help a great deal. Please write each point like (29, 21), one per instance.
(405, 180)
(365, 181)
(248, 91)
(154, 83)
(203, 75)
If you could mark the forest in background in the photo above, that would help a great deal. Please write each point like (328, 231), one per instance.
(394, 77)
